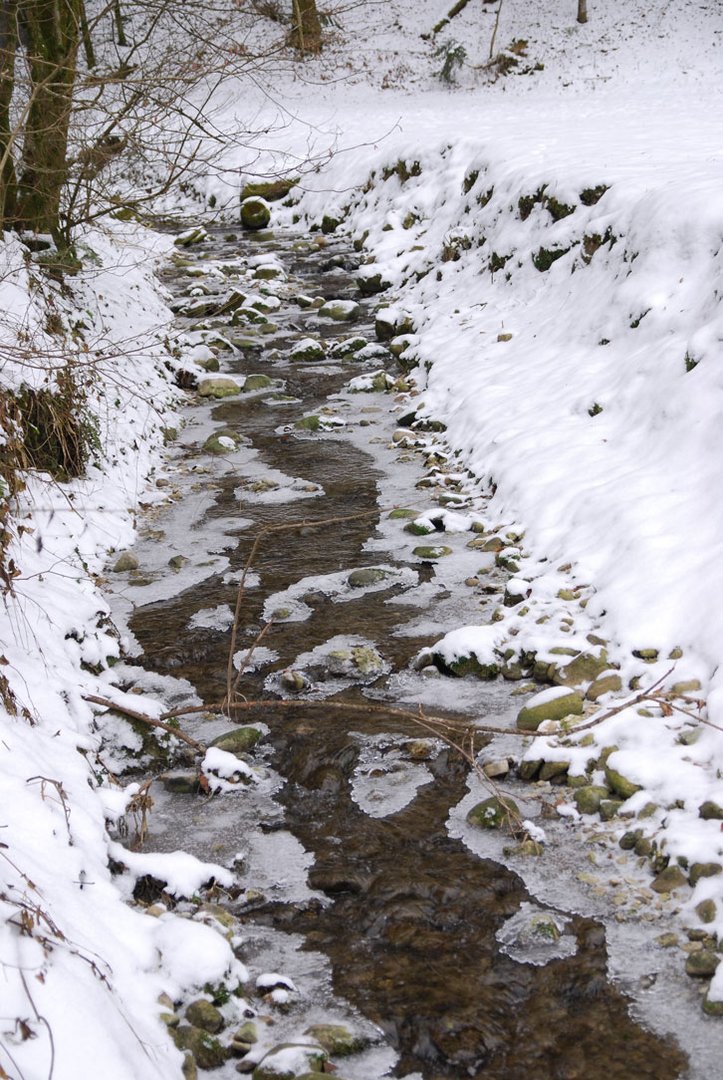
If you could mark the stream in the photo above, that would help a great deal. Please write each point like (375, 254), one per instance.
(360, 878)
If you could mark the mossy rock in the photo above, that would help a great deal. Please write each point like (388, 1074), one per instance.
(329, 224)
(203, 1014)
(340, 310)
(238, 741)
(220, 387)
(699, 870)
(207, 1051)
(702, 965)
(336, 1039)
(255, 213)
(609, 809)
(554, 771)
(431, 553)
(222, 442)
(533, 714)
(466, 665)
(497, 812)
(669, 880)
(528, 770)
(706, 911)
(271, 1067)
(126, 561)
(402, 513)
(372, 284)
(308, 351)
(270, 190)
(366, 575)
(349, 347)
(309, 423)
(710, 811)
(589, 797)
(192, 236)
(619, 784)
(604, 684)
(257, 382)
(712, 1008)
(419, 528)
(585, 668)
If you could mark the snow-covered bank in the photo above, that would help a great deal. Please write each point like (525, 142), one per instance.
(562, 278)
(81, 970)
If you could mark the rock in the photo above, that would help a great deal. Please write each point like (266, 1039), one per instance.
(308, 350)
(669, 880)
(700, 870)
(349, 347)
(189, 1069)
(649, 655)
(209, 364)
(555, 771)
(255, 213)
(181, 783)
(207, 1051)
(706, 911)
(588, 798)
(495, 813)
(527, 770)
(222, 443)
(689, 686)
(367, 660)
(630, 838)
(177, 562)
(294, 681)
(585, 668)
(268, 273)
(247, 1033)
(712, 1008)
(238, 741)
(203, 1014)
(702, 965)
(419, 528)
(309, 423)
(340, 310)
(526, 849)
(257, 382)
(668, 940)
(402, 513)
(609, 808)
(366, 575)
(271, 190)
(190, 237)
(126, 561)
(431, 553)
(516, 591)
(371, 283)
(220, 387)
(710, 811)
(288, 1060)
(465, 665)
(553, 704)
(499, 767)
(620, 784)
(336, 1039)
(604, 684)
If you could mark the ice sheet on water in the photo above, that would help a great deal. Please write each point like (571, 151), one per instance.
(385, 780)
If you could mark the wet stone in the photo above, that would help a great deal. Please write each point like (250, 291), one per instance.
(366, 575)
(668, 880)
(238, 741)
(497, 812)
(702, 965)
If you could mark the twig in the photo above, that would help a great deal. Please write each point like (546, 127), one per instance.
(134, 715)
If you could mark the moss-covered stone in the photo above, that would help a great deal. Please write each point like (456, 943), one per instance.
(340, 310)
(402, 514)
(270, 190)
(588, 798)
(706, 911)
(309, 423)
(554, 771)
(465, 665)
(699, 870)
(495, 813)
(336, 1039)
(308, 351)
(207, 1051)
(669, 880)
(419, 528)
(203, 1014)
(585, 668)
(431, 553)
(710, 811)
(620, 784)
(609, 808)
(533, 714)
(604, 684)
(702, 965)
(238, 741)
(220, 387)
(124, 562)
(305, 1058)
(257, 382)
(528, 770)
(366, 575)
(370, 284)
(712, 1008)
(255, 213)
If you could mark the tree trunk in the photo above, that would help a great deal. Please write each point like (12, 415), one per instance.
(306, 27)
(582, 11)
(8, 45)
(52, 29)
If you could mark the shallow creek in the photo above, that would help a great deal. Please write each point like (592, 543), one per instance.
(360, 878)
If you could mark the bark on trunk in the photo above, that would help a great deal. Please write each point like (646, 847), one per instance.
(306, 28)
(8, 45)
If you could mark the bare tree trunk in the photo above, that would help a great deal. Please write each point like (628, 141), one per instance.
(52, 28)
(8, 45)
(306, 27)
(582, 11)
(120, 31)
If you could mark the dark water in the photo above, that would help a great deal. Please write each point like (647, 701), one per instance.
(411, 930)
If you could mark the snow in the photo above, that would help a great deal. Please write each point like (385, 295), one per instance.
(595, 429)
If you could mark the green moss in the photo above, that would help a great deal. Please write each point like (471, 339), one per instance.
(498, 262)
(558, 210)
(469, 181)
(592, 195)
(271, 190)
(543, 258)
(527, 203)
(402, 171)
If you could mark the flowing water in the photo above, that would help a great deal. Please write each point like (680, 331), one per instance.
(348, 856)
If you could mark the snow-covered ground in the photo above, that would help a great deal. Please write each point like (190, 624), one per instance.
(597, 422)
